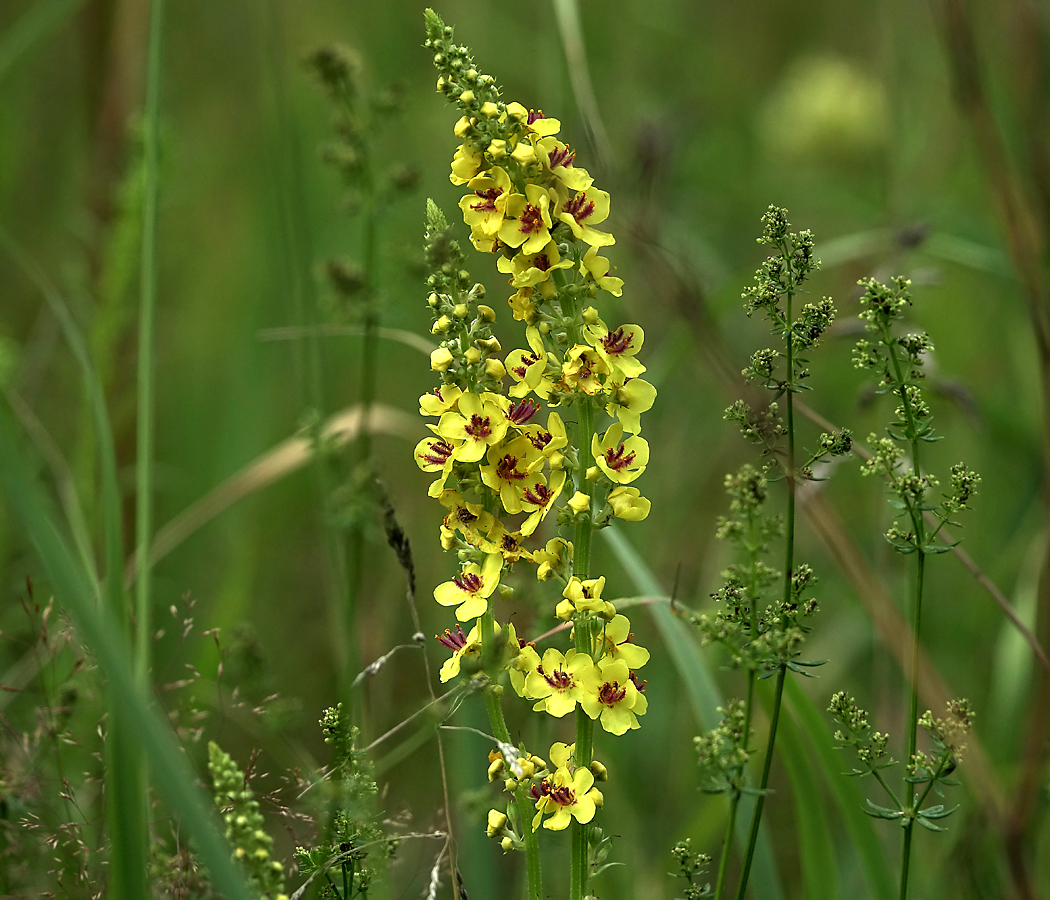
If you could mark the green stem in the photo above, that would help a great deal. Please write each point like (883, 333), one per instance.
(760, 800)
(723, 863)
(913, 717)
(499, 728)
(581, 563)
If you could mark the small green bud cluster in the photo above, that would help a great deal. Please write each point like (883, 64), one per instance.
(691, 866)
(964, 486)
(239, 809)
(785, 273)
(476, 93)
(468, 353)
(722, 752)
(763, 427)
(855, 732)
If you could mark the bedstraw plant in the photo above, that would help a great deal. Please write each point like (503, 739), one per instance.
(898, 362)
(761, 615)
(518, 444)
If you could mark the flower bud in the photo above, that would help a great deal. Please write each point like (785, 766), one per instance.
(489, 109)
(496, 768)
(441, 326)
(590, 316)
(507, 844)
(495, 369)
(497, 823)
(506, 591)
(448, 538)
(462, 127)
(441, 359)
(433, 300)
(460, 310)
(579, 503)
(599, 771)
(497, 148)
(472, 355)
(486, 313)
(557, 460)
(466, 97)
(593, 473)
(490, 344)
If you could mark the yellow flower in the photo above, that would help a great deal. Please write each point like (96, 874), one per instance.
(584, 596)
(609, 693)
(616, 643)
(628, 504)
(527, 221)
(435, 454)
(550, 439)
(581, 369)
(470, 519)
(585, 210)
(555, 683)
(628, 399)
(529, 369)
(441, 401)
(624, 461)
(617, 348)
(537, 498)
(557, 555)
(559, 158)
(528, 270)
(568, 796)
(474, 428)
(508, 471)
(465, 164)
(471, 588)
(598, 268)
(483, 210)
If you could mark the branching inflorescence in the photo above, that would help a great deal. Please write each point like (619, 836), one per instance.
(515, 444)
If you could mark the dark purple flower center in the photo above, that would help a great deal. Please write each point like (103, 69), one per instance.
(455, 641)
(619, 458)
(616, 342)
(580, 208)
(611, 693)
(437, 453)
(468, 582)
(479, 427)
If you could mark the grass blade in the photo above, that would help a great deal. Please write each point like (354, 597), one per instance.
(173, 777)
(871, 859)
(704, 697)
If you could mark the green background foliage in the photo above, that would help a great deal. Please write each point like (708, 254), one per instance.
(841, 112)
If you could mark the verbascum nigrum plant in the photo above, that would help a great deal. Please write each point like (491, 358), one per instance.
(898, 362)
(518, 446)
(762, 612)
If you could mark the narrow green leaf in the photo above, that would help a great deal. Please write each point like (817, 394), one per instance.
(37, 24)
(704, 697)
(863, 838)
(814, 834)
(74, 591)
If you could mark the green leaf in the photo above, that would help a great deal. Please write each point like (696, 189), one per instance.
(74, 591)
(704, 697)
(925, 823)
(937, 812)
(863, 839)
(882, 812)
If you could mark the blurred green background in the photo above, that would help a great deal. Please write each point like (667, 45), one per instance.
(842, 112)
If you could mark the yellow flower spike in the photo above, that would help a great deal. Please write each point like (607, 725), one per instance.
(527, 221)
(616, 643)
(618, 348)
(476, 426)
(465, 165)
(471, 588)
(621, 461)
(484, 209)
(585, 210)
(538, 497)
(610, 695)
(629, 398)
(555, 683)
(598, 268)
